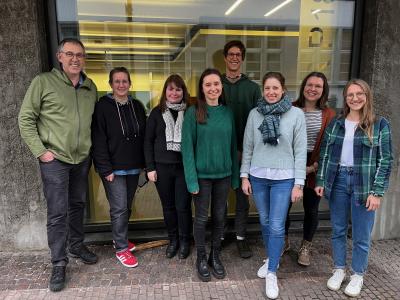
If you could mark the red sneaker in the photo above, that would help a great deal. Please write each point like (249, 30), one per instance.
(127, 258)
(131, 246)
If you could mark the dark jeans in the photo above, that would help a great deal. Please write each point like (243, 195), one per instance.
(175, 200)
(216, 191)
(120, 193)
(242, 212)
(65, 189)
(310, 204)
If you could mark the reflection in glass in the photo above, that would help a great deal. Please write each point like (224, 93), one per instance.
(154, 38)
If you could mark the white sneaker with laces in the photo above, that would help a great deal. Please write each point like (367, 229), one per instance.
(263, 270)
(271, 286)
(353, 289)
(336, 280)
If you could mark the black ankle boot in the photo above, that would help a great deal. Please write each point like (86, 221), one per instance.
(215, 263)
(202, 268)
(184, 249)
(172, 248)
(57, 279)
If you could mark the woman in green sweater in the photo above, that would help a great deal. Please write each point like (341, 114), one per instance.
(210, 163)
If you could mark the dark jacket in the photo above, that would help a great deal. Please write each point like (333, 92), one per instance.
(118, 135)
(155, 145)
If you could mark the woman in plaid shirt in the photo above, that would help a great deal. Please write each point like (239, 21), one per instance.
(355, 164)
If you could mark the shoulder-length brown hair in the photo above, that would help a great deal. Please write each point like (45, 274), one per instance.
(201, 104)
(179, 83)
(367, 114)
(321, 103)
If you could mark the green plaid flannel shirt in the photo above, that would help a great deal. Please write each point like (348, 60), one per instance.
(372, 161)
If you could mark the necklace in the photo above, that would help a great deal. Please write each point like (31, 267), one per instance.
(121, 101)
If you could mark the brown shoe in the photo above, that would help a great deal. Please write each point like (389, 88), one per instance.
(304, 254)
(286, 247)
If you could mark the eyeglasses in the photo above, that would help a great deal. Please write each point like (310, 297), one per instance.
(358, 95)
(232, 55)
(71, 54)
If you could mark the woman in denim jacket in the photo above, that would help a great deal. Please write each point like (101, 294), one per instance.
(355, 164)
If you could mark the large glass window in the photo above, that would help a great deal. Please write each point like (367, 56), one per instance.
(154, 38)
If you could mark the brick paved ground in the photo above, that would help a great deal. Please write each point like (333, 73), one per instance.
(25, 275)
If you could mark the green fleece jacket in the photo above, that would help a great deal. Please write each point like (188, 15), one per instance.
(209, 150)
(55, 116)
(241, 97)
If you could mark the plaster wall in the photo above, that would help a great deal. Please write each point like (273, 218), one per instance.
(380, 65)
(22, 48)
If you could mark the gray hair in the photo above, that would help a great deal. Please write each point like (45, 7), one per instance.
(69, 40)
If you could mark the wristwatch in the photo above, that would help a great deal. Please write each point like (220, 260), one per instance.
(299, 186)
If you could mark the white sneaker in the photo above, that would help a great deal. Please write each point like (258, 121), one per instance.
(353, 289)
(263, 270)
(271, 286)
(336, 280)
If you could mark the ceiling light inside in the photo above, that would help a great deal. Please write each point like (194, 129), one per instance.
(277, 8)
(233, 7)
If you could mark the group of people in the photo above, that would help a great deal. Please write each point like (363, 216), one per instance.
(258, 144)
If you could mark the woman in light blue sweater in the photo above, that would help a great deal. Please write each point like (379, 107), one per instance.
(274, 167)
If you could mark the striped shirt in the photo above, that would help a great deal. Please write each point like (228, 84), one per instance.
(313, 124)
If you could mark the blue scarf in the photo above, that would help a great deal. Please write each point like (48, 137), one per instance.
(272, 113)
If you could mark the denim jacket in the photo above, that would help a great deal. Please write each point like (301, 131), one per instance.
(372, 161)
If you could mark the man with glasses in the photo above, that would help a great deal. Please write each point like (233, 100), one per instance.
(54, 121)
(241, 95)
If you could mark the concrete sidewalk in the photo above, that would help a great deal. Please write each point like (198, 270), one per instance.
(25, 275)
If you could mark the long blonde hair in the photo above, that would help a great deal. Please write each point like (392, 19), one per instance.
(367, 114)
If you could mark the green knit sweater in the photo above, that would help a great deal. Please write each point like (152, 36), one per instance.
(209, 150)
(241, 97)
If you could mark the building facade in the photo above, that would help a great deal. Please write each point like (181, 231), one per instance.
(343, 39)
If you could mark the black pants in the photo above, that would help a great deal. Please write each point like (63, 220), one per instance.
(310, 204)
(175, 200)
(65, 189)
(120, 193)
(242, 212)
(216, 191)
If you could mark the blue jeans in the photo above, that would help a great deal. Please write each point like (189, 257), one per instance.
(342, 205)
(272, 198)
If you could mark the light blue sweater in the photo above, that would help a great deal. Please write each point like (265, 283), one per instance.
(291, 151)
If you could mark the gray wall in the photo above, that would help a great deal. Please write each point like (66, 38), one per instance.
(23, 55)
(22, 49)
(380, 66)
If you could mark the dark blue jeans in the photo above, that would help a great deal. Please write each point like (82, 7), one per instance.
(120, 193)
(176, 201)
(216, 191)
(342, 205)
(65, 189)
